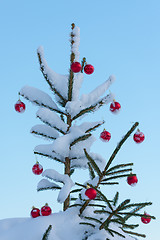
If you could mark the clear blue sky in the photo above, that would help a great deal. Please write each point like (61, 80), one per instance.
(119, 37)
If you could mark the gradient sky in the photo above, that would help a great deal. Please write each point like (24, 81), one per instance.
(119, 37)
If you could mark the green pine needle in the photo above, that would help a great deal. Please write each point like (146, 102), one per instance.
(48, 188)
(91, 171)
(119, 166)
(115, 200)
(103, 197)
(93, 219)
(93, 163)
(134, 233)
(95, 127)
(89, 224)
(47, 232)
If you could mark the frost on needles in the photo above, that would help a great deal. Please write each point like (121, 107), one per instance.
(70, 145)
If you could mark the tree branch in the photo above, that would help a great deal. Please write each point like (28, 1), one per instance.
(110, 161)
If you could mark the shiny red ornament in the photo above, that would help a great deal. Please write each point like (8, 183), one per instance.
(138, 137)
(35, 212)
(88, 69)
(91, 193)
(37, 168)
(19, 106)
(132, 180)
(146, 219)
(76, 67)
(46, 210)
(105, 136)
(115, 107)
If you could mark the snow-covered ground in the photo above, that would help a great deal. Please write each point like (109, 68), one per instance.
(65, 226)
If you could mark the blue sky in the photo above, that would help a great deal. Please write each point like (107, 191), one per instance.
(118, 37)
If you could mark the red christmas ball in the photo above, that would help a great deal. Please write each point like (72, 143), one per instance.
(105, 136)
(88, 69)
(46, 210)
(37, 168)
(76, 67)
(91, 193)
(132, 180)
(35, 212)
(19, 106)
(146, 219)
(138, 137)
(115, 107)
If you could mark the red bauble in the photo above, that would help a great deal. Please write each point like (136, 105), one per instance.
(88, 69)
(37, 168)
(46, 210)
(115, 107)
(35, 212)
(91, 193)
(138, 137)
(76, 67)
(105, 136)
(19, 106)
(132, 180)
(146, 219)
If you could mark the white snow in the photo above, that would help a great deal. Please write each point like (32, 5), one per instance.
(75, 45)
(62, 144)
(77, 82)
(44, 183)
(46, 150)
(78, 149)
(38, 97)
(52, 119)
(65, 226)
(75, 106)
(93, 97)
(59, 81)
(44, 130)
(62, 178)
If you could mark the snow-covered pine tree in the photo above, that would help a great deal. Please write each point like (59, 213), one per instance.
(86, 218)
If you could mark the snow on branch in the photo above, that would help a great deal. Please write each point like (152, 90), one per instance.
(64, 144)
(46, 151)
(44, 131)
(62, 178)
(45, 184)
(52, 119)
(76, 42)
(77, 82)
(77, 149)
(90, 102)
(93, 97)
(39, 98)
(77, 110)
(57, 82)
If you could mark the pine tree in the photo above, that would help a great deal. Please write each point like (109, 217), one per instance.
(103, 218)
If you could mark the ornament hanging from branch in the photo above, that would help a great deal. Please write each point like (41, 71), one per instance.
(91, 193)
(76, 67)
(132, 180)
(88, 69)
(138, 137)
(105, 136)
(115, 107)
(20, 106)
(37, 168)
(146, 219)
